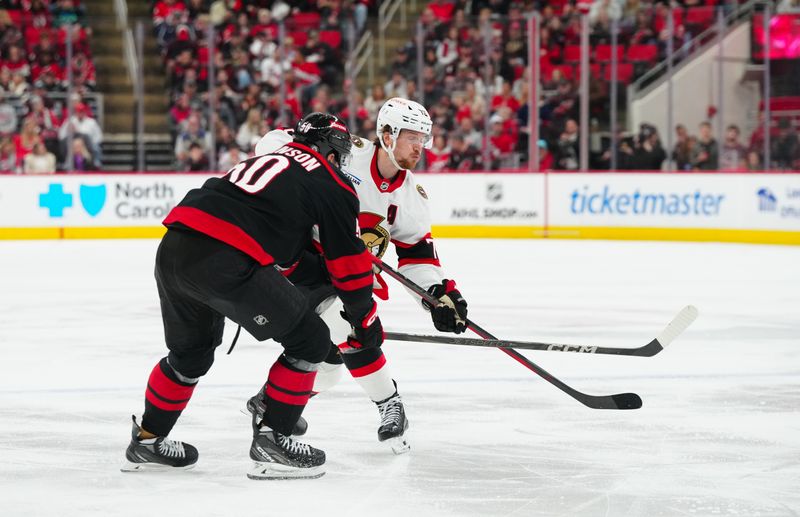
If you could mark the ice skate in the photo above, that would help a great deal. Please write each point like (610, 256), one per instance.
(394, 424)
(278, 456)
(158, 454)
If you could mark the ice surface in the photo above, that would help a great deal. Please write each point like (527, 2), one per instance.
(719, 433)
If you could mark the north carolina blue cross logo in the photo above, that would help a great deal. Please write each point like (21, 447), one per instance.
(55, 200)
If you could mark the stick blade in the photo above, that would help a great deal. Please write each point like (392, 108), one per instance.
(679, 323)
(618, 401)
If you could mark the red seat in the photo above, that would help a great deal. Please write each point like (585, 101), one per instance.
(304, 21)
(572, 53)
(699, 18)
(15, 16)
(332, 38)
(443, 12)
(603, 53)
(32, 35)
(643, 53)
(624, 73)
(299, 37)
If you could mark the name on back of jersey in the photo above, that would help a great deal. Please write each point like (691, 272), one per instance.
(308, 161)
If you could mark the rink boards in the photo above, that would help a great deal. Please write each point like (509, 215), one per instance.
(738, 207)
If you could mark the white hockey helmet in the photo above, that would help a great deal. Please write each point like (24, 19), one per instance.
(399, 114)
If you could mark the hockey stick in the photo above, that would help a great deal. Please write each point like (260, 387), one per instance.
(618, 401)
(679, 323)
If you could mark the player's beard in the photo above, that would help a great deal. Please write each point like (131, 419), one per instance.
(408, 163)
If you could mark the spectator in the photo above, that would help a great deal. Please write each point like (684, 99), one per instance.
(472, 137)
(39, 161)
(375, 100)
(754, 161)
(8, 156)
(251, 131)
(502, 142)
(648, 155)
(784, 151)
(505, 98)
(47, 121)
(82, 158)
(396, 86)
(8, 116)
(66, 13)
(230, 157)
(681, 153)
(463, 156)
(19, 86)
(447, 49)
(197, 159)
(323, 56)
(566, 155)
(546, 161)
(192, 133)
(604, 9)
(733, 155)
(166, 16)
(437, 157)
(705, 154)
(82, 123)
(26, 140)
(16, 63)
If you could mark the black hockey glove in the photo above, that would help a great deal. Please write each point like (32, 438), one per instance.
(367, 332)
(450, 315)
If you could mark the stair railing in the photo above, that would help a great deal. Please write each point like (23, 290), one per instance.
(130, 55)
(386, 14)
(690, 48)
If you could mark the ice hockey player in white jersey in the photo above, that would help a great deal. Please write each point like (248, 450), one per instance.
(394, 208)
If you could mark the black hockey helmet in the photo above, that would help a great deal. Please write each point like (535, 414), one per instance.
(325, 134)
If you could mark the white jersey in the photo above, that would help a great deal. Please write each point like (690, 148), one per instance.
(391, 210)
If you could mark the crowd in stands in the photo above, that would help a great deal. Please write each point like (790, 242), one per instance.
(468, 94)
(474, 81)
(474, 76)
(252, 72)
(35, 128)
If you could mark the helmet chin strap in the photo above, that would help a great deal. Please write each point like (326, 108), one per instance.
(390, 152)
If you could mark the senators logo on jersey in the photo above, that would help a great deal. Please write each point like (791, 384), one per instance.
(376, 238)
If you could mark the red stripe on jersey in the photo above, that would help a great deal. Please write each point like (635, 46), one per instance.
(408, 261)
(370, 368)
(352, 285)
(350, 265)
(400, 244)
(219, 229)
(385, 185)
(326, 164)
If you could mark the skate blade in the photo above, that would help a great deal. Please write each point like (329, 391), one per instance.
(398, 444)
(262, 470)
(151, 467)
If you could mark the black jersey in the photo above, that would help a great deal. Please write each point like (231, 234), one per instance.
(266, 207)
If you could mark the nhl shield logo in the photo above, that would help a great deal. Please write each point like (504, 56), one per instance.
(494, 192)
(93, 198)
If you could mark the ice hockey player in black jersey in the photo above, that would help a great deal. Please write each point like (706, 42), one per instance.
(221, 256)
